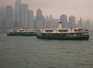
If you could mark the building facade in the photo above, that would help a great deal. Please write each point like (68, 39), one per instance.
(87, 24)
(1, 20)
(39, 19)
(23, 17)
(63, 19)
(17, 5)
(31, 19)
(71, 21)
(39, 15)
(9, 17)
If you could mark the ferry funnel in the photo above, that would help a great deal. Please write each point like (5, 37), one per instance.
(60, 25)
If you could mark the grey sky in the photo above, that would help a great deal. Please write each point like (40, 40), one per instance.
(78, 8)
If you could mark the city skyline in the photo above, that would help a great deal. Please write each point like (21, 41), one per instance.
(23, 17)
(80, 9)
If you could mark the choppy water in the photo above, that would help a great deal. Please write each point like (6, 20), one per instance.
(30, 52)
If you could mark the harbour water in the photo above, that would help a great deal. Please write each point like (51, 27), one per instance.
(30, 52)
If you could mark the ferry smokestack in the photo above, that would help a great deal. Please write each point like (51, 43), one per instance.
(60, 25)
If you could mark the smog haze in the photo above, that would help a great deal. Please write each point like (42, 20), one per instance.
(78, 8)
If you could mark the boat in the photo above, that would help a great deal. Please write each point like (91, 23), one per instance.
(21, 32)
(64, 33)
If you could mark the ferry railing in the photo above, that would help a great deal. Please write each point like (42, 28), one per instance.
(81, 31)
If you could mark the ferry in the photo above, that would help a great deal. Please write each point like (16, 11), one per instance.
(22, 32)
(64, 33)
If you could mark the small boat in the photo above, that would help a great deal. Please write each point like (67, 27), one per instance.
(22, 32)
(64, 33)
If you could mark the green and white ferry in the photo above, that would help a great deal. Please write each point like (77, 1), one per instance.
(64, 33)
(22, 32)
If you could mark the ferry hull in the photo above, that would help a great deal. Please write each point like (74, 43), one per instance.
(21, 34)
(64, 38)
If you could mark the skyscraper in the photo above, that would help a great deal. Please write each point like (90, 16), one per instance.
(47, 22)
(47, 18)
(80, 23)
(9, 17)
(1, 19)
(39, 19)
(87, 24)
(23, 17)
(39, 15)
(71, 21)
(1, 16)
(51, 17)
(31, 18)
(17, 4)
(63, 19)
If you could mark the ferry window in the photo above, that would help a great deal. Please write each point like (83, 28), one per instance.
(48, 30)
(75, 30)
(86, 29)
(65, 30)
(79, 29)
(51, 30)
(60, 30)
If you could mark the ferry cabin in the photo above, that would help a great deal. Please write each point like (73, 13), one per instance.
(22, 31)
(64, 32)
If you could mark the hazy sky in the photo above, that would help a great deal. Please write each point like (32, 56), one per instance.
(78, 8)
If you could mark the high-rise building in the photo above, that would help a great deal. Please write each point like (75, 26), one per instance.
(17, 5)
(4, 21)
(9, 17)
(23, 17)
(71, 21)
(39, 15)
(63, 19)
(80, 23)
(51, 17)
(40, 24)
(47, 18)
(1, 19)
(91, 25)
(87, 24)
(1, 16)
(31, 19)
(39, 19)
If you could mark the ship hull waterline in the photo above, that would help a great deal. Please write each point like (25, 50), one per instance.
(64, 38)
(21, 34)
